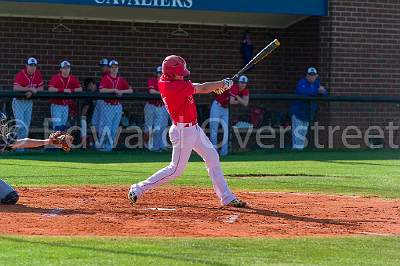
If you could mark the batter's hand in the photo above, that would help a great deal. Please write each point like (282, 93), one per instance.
(227, 84)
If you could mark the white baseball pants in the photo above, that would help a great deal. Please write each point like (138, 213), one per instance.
(184, 140)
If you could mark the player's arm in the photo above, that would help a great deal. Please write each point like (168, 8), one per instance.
(107, 90)
(125, 88)
(153, 91)
(40, 88)
(18, 87)
(29, 91)
(243, 100)
(53, 89)
(208, 87)
(233, 100)
(29, 143)
(130, 90)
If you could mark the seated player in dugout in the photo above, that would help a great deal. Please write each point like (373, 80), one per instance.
(63, 82)
(177, 92)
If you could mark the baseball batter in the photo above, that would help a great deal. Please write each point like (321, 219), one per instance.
(185, 134)
(28, 80)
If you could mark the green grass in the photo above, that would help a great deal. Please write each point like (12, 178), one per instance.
(372, 173)
(220, 251)
(344, 172)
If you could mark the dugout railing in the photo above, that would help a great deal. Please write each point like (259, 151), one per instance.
(349, 112)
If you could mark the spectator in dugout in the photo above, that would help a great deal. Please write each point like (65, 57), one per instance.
(219, 113)
(28, 80)
(155, 116)
(303, 111)
(95, 121)
(112, 110)
(63, 82)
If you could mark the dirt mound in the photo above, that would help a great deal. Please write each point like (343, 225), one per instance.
(187, 211)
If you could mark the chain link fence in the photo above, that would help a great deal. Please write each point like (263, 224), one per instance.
(99, 122)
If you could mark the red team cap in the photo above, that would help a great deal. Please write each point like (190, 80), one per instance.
(174, 65)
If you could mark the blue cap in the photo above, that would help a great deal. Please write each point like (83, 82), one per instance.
(103, 62)
(159, 69)
(113, 62)
(312, 71)
(31, 61)
(65, 64)
(243, 79)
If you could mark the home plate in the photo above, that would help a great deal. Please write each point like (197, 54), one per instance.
(159, 209)
(233, 218)
(53, 213)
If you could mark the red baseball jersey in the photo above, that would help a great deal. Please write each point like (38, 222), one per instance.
(223, 99)
(61, 83)
(23, 79)
(178, 99)
(119, 83)
(153, 84)
(235, 91)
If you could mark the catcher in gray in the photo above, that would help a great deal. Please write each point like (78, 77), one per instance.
(9, 141)
(8, 195)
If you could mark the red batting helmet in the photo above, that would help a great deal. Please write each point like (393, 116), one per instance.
(175, 65)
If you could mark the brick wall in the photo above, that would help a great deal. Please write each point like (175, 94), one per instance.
(360, 51)
(212, 52)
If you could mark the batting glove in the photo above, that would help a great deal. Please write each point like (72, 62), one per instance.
(228, 83)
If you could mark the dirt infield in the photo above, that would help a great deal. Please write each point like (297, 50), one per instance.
(178, 212)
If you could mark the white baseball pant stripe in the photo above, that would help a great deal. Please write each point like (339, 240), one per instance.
(184, 140)
(22, 110)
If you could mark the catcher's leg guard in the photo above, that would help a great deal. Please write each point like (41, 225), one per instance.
(8, 195)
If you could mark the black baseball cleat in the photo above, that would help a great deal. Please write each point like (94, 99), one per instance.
(237, 203)
(132, 197)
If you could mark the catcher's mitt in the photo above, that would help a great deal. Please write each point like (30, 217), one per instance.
(61, 139)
